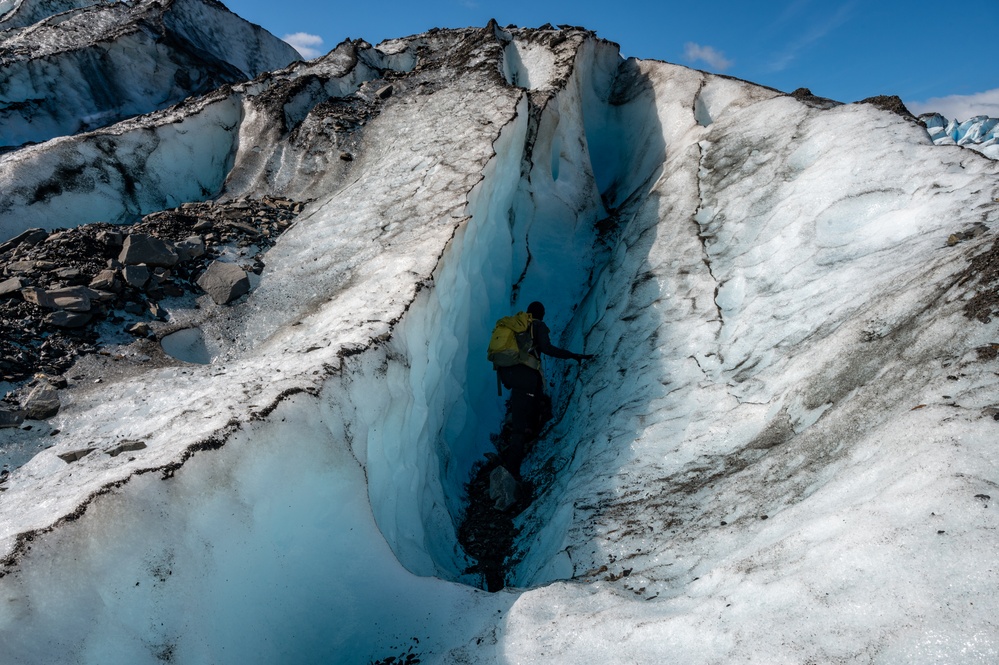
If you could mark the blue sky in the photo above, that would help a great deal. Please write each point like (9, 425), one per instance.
(934, 55)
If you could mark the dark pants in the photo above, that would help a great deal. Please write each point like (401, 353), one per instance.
(527, 397)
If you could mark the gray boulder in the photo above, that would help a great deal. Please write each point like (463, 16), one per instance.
(147, 249)
(75, 455)
(29, 237)
(72, 298)
(10, 287)
(42, 402)
(136, 275)
(38, 297)
(502, 488)
(127, 446)
(104, 280)
(11, 418)
(224, 282)
(190, 248)
(139, 329)
(64, 319)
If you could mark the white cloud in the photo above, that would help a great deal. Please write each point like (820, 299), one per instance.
(960, 107)
(714, 58)
(305, 44)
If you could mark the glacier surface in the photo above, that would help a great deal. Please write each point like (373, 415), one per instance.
(784, 450)
(67, 67)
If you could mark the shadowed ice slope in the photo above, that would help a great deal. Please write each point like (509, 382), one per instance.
(783, 451)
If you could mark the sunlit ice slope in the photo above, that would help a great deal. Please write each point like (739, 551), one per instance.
(67, 67)
(783, 451)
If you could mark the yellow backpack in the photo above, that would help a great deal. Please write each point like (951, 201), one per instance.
(513, 341)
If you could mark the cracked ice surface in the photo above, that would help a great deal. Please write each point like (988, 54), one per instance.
(739, 475)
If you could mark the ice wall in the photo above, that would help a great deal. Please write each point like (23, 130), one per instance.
(236, 140)
(119, 174)
(788, 415)
(263, 551)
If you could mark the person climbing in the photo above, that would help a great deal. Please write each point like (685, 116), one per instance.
(525, 381)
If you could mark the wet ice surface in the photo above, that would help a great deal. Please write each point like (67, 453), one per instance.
(779, 454)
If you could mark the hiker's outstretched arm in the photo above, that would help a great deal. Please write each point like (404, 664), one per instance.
(543, 343)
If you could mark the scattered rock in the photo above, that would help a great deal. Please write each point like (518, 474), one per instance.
(72, 298)
(891, 103)
(11, 287)
(126, 446)
(29, 237)
(243, 227)
(149, 250)
(502, 488)
(805, 96)
(977, 229)
(11, 418)
(224, 282)
(38, 297)
(140, 329)
(69, 275)
(113, 239)
(41, 403)
(104, 280)
(157, 311)
(37, 332)
(190, 248)
(136, 276)
(54, 381)
(75, 455)
(64, 319)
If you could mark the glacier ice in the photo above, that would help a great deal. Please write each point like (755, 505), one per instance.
(92, 65)
(779, 454)
(978, 133)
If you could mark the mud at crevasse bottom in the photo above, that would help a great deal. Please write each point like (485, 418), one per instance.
(486, 533)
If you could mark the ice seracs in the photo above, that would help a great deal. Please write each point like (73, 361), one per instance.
(97, 63)
(779, 453)
(978, 133)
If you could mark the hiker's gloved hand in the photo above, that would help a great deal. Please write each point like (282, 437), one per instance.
(583, 356)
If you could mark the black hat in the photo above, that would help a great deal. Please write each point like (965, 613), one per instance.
(536, 310)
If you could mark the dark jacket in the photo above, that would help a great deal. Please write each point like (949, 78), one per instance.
(543, 342)
(527, 379)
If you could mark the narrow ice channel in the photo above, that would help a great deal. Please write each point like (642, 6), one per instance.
(229, 560)
(532, 234)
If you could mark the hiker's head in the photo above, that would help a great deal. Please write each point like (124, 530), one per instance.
(536, 310)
